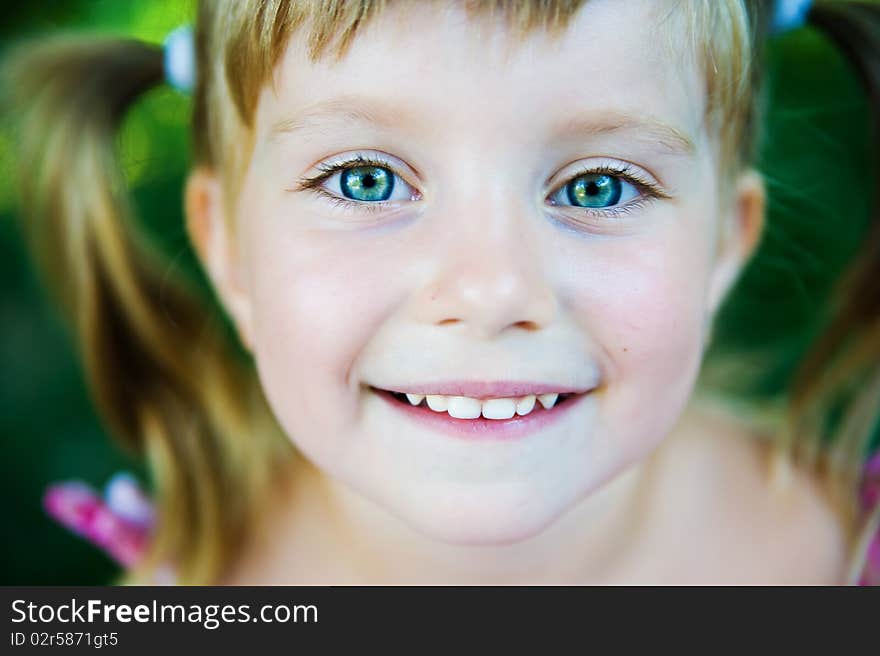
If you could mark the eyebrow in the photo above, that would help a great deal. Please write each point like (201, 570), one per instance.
(342, 109)
(359, 110)
(672, 139)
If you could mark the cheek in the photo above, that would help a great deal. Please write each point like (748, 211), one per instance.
(656, 313)
(645, 307)
(316, 300)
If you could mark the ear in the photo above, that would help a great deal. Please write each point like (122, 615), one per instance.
(741, 229)
(210, 234)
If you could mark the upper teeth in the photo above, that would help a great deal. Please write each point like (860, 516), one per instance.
(464, 407)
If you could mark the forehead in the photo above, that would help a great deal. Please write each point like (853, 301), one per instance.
(429, 68)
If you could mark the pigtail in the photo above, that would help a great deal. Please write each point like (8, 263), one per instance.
(159, 369)
(835, 407)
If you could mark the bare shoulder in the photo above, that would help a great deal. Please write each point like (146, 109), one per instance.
(785, 527)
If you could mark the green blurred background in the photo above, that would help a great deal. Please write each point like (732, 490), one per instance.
(819, 175)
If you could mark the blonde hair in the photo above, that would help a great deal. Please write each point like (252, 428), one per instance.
(164, 376)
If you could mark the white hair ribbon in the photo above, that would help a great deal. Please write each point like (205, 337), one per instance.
(180, 59)
(790, 15)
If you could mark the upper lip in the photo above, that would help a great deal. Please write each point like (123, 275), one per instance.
(486, 389)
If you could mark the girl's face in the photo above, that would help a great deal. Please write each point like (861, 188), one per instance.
(534, 219)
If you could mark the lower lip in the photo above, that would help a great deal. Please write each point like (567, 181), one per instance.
(482, 428)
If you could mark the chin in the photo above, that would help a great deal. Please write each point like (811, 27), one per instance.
(497, 521)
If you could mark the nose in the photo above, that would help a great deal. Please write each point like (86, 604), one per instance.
(487, 277)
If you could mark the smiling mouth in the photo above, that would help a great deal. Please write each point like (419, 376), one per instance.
(463, 407)
(468, 408)
(502, 418)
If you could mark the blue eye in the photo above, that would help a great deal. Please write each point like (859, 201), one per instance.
(363, 182)
(596, 190)
(367, 183)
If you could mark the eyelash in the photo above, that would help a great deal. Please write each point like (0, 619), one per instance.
(314, 183)
(649, 190)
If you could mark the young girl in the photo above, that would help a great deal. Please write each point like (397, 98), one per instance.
(473, 253)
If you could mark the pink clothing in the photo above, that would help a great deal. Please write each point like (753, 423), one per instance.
(120, 522)
(870, 498)
(82, 510)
